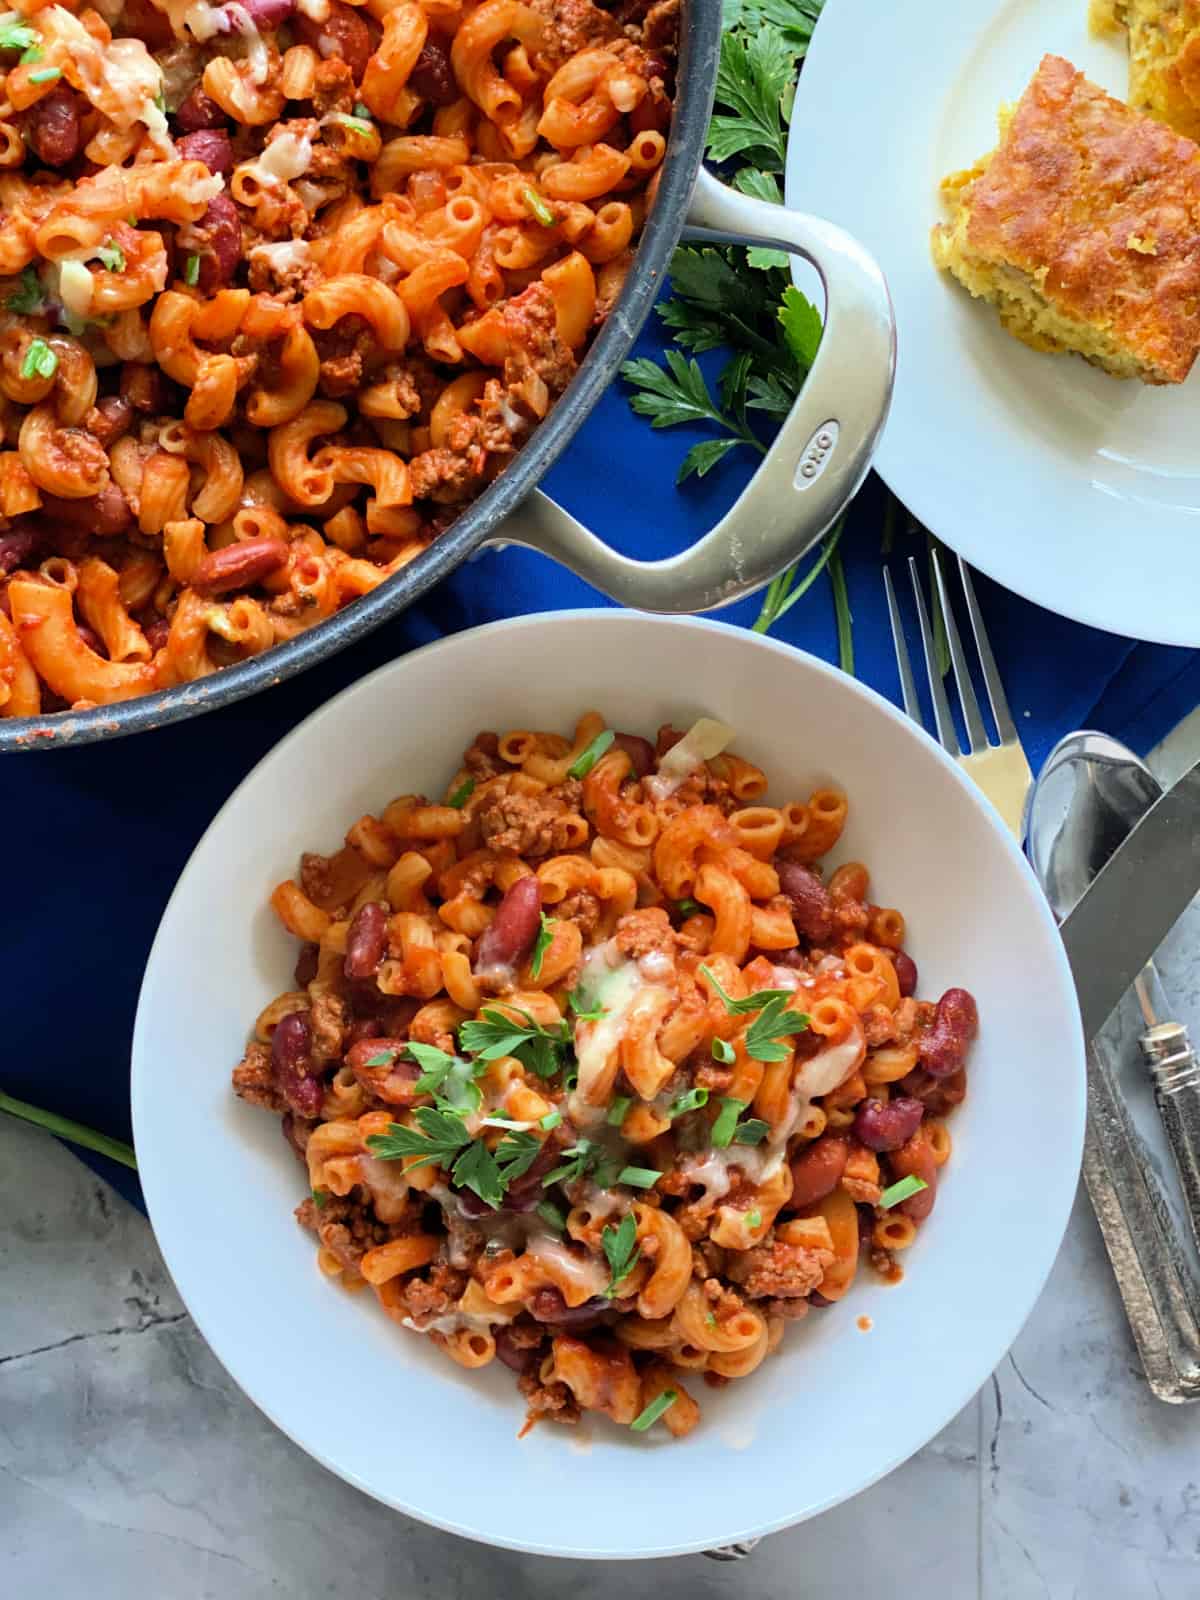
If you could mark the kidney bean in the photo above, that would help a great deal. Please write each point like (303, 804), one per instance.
(906, 972)
(509, 938)
(944, 1045)
(392, 1080)
(218, 235)
(915, 1160)
(210, 145)
(811, 909)
(366, 941)
(238, 565)
(306, 965)
(817, 1170)
(520, 1358)
(267, 14)
(887, 1124)
(548, 1305)
(144, 387)
(818, 1300)
(109, 419)
(52, 127)
(200, 111)
(103, 514)
(363, 1028)
(640, 751)
(291, 1058)
(431, 77)
(17, 547)
(937, 1095)
(525, 1193)
(343, 35)
(157, 633)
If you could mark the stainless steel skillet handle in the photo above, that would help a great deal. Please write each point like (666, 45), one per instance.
(818, 459)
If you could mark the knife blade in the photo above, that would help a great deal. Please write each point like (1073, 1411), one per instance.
(1135, 901)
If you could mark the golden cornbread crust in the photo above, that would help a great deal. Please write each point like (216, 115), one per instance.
(1164, 56)
(1084, 228)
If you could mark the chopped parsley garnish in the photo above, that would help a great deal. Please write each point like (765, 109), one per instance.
(40, 361)
(462, 794)
(359, 124)
(661, 1402)
(476, 1170)
(638, 1177)
(441, 1139)
(691, 1101)
(515, 1154)
(540, 1049)
(540, 212)
(160, 102)
(552, 1216)
(28, 57)
(688, 908)
(191, 271)
(17, 36)
(904, 1190)
(724, 1052)
(583, 764)
(320, 1196)
(754, 1219)
(449, 1079)
(621, 1251)
(582, 1010)
(773, 1023)
(435, 1141)
(45, 75)
(27, 300)
(112, 257)
(550, 1120)
(710, 1320)
(616, 1111)
(581, 1158)
(381, 1058)
(753, 1131)
(545, 938)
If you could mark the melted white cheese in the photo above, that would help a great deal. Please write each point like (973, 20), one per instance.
(610, 981)
(256, 50)
(286, 255)
(75, 287)
(284, 158)
(703, 740)
(586, 1276)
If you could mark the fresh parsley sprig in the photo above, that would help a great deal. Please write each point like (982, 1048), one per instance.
(542, 1050)
(545, 938)
(621, 1251)
(773, 1023)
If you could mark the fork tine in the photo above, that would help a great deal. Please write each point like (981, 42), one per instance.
(976, 732)
(1005, 726)
(937, 689)
(908, 685)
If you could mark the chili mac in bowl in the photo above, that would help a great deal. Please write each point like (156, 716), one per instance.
(592, 1068)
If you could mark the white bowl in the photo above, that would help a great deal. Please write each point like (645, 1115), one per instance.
(838, 1407)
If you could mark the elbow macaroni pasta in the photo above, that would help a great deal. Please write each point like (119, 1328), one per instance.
(336, 271)
(696, 1170)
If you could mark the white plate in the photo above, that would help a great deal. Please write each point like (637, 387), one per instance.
(1074, 489)
(837, 1407)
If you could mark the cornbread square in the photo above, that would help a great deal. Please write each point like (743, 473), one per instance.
(1164, 56)
(1083, 228)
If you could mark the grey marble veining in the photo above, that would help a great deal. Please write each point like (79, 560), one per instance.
(130, 1464)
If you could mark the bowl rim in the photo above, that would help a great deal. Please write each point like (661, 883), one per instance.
(1059, 1202)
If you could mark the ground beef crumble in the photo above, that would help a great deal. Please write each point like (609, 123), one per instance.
(779, 1271)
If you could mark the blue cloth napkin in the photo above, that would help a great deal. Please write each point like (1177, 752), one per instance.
(97, 837)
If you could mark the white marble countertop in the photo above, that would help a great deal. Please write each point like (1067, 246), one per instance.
(130, 1463)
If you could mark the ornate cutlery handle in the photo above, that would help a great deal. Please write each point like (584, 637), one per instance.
(1167, 1051)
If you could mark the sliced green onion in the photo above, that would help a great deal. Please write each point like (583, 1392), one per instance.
(28, 57)
(320, 1196)
(754, 1219)
(724, 1052)
(462, 794)
(688, 908)
(722, 1128)
(112, 257)
(583, 764)
(40, 361)
(45, 75)
(691, 1101)
(538, 210)
(191, 271)
(617, 1110)
(65, 1128)
(362, 111)
(550, 1120)
(904, 1190)
(661, 1402)
(753, 1131)
(639, 1177)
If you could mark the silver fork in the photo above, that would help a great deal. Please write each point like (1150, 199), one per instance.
(1001, 770)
